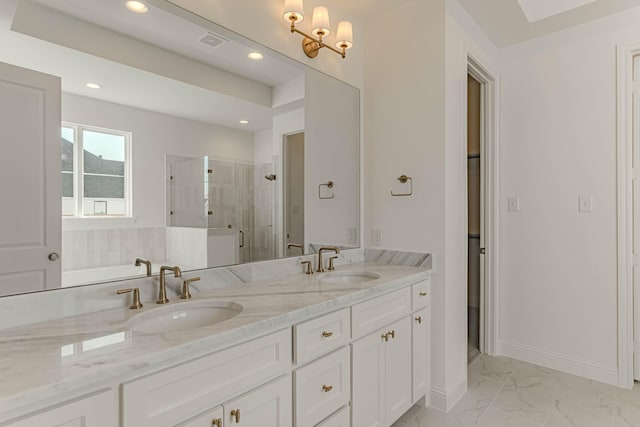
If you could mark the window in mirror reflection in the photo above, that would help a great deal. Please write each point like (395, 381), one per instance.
(95, 171)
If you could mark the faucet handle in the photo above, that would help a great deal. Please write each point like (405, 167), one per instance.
(136, 304)
(331, 267)
(185, 287)
(309, 269)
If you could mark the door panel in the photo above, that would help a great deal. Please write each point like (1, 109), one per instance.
(30, 178)
(268, 406)
(368, 381)
(398, 373)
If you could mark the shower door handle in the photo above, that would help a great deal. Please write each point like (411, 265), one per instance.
(241, 238)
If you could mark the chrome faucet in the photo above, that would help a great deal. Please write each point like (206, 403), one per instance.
(140, 261)
(162, 296)
(335, 249)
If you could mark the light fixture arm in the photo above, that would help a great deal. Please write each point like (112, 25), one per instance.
(312, 45)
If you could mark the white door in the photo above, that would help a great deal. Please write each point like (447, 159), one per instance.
(636, 215)
(398, 372)
(368, 381)
(30, 180)
(268, 406)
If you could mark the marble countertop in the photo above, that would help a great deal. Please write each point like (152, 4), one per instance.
(43, 361)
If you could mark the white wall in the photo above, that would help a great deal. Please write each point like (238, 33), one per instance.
(558, 266)
(154, 136)
(404, 97)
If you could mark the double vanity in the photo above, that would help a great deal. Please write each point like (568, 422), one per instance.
(343, 348)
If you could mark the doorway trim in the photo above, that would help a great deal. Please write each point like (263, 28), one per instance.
(489, 148)
(625, 177)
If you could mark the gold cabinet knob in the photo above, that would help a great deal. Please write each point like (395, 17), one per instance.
(235, 413)
(327, 388)
(385, 336)
(423, 294)
(392, 333)
(327, 334)
(419, 319)
(216, 422)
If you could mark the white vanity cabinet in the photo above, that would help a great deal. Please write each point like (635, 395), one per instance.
(382, 360)
(179, 393)
(266, 406)
(421, 341)
(96, 410)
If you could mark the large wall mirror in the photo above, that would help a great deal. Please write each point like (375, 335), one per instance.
(185, 144)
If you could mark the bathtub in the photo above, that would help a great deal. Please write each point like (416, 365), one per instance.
(105, 274)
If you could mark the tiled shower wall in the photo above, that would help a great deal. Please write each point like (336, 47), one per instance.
(82, 249)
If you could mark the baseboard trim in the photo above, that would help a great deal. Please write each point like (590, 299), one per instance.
(443, 400)
(559, 362)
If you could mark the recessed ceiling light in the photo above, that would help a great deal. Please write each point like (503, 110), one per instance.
(136, 6)
(255, 55)
(93, 86)
(244, 122)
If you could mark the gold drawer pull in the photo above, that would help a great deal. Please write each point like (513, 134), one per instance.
(385, 337)
(327, 334)
(235, 413)
(392, 333)
(423, 294)
(419, 319)
(217, 422)
(327, 388)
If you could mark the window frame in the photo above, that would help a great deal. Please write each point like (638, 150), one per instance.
(79, 172)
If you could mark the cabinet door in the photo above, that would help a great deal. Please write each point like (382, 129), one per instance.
(267, 406)
(212, 418)
(30, 173)
(94, 411)
(421, 362)
(398, 372)
(368, 381)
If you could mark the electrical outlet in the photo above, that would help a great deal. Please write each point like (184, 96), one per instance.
(513, 204)
(352, 236)
(376, 237)
(585, 204)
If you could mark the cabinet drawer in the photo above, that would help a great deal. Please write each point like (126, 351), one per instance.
(339, 419)
(97, 410)
(373, 314)
(420, 295)
(211, 418)
(322, 387)
(178, 393)
(322, 335)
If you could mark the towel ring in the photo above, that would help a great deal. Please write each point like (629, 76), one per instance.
(404, 179)
(328, 185)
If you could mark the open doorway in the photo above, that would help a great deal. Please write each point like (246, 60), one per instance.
(474, 227)
(293, 189)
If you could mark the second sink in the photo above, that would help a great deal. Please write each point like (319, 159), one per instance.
(184, 316)
(348, 277)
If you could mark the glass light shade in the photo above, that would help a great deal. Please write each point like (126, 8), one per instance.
(293, 8)
(344, 36)
(320, 21)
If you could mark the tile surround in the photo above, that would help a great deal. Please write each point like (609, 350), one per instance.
(504, 392)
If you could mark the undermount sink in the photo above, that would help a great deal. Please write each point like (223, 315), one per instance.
(348, 277)
(184, 316)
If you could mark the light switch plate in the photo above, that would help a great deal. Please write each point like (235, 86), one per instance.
(513, 204)
(352, 236)
(585, 204)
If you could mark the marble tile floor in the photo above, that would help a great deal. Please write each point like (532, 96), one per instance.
(508, 393)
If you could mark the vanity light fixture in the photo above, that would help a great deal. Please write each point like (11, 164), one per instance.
(312, 43)
(93, 86)
(255, 55)
(136, 6)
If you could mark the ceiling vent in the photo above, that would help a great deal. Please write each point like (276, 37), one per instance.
(213, 40)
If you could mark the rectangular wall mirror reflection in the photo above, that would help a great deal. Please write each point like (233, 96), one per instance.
(181, 143)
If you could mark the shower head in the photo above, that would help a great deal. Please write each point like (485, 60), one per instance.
(271, 177)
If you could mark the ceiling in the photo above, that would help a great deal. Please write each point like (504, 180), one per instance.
(506, 24)
(140, 88)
